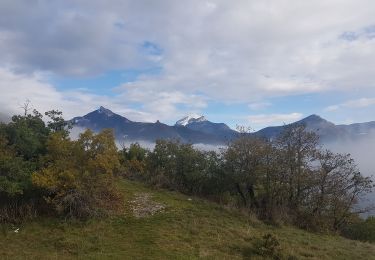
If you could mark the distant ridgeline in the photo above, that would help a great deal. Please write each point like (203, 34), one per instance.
(198, 130)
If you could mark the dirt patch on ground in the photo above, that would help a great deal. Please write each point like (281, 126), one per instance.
(144, 206)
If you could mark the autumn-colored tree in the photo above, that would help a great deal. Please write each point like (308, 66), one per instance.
(78, 175)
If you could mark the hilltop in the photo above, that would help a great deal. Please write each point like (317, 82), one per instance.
(180, 228)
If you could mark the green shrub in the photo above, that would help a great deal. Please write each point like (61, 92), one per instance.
(363, 230)
(268, 246)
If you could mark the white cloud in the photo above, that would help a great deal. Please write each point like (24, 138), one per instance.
(229, 51)
(263, 120)
(332, 108)
(359, 103)
(259, 105)
(356, 103)
(17, 88)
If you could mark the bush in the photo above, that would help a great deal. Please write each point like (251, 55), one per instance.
(78, 175)
(17, 210)
(363, 230)
(268, 246)
(133, 162)
(179, 166)
(21, 145)
(15, 171)
(42, 170)
(286, 180)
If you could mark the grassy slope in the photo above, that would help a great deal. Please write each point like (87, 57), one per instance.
(185, 230)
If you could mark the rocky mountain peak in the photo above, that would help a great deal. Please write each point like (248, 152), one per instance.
(107, 112)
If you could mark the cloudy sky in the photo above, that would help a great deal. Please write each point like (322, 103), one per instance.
(253, 63)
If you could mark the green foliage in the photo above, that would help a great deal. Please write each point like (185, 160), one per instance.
(78, 175)
(27, 135)
(22, 143)
(291, 179)
(36, 161)
(133, 161)
(57, 123)
(268, 246)
(363, 230)
(179, 166)
(15, 172)
(174, 165)
(287, 180)
(134, 152)
(244, 164)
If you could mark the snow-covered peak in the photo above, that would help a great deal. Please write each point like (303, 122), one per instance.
(200, 119)
(107, 112)
(190, 119)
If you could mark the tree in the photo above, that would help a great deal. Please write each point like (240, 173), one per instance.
(298, 149)
(361, 229)
(57, 123)
(133, 161)
(176, 166)
(161, 164)
(27, 135)
(243, 161)
(22, 143)
(341, 185)
(14, 172)
(78, 175)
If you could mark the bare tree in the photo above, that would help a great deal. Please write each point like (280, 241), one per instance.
(26, 107)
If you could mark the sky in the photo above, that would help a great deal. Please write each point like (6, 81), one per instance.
(251, 63)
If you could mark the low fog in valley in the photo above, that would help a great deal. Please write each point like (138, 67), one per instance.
(362, 151)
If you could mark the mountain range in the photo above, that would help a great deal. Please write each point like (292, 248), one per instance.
(126, 129)
(197, 129)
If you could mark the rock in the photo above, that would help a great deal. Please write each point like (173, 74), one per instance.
(144, 206)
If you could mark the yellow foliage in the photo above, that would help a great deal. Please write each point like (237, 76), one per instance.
(78, 169)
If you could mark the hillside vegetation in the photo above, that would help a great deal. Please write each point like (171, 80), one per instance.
(63, 197)
(187, 228)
